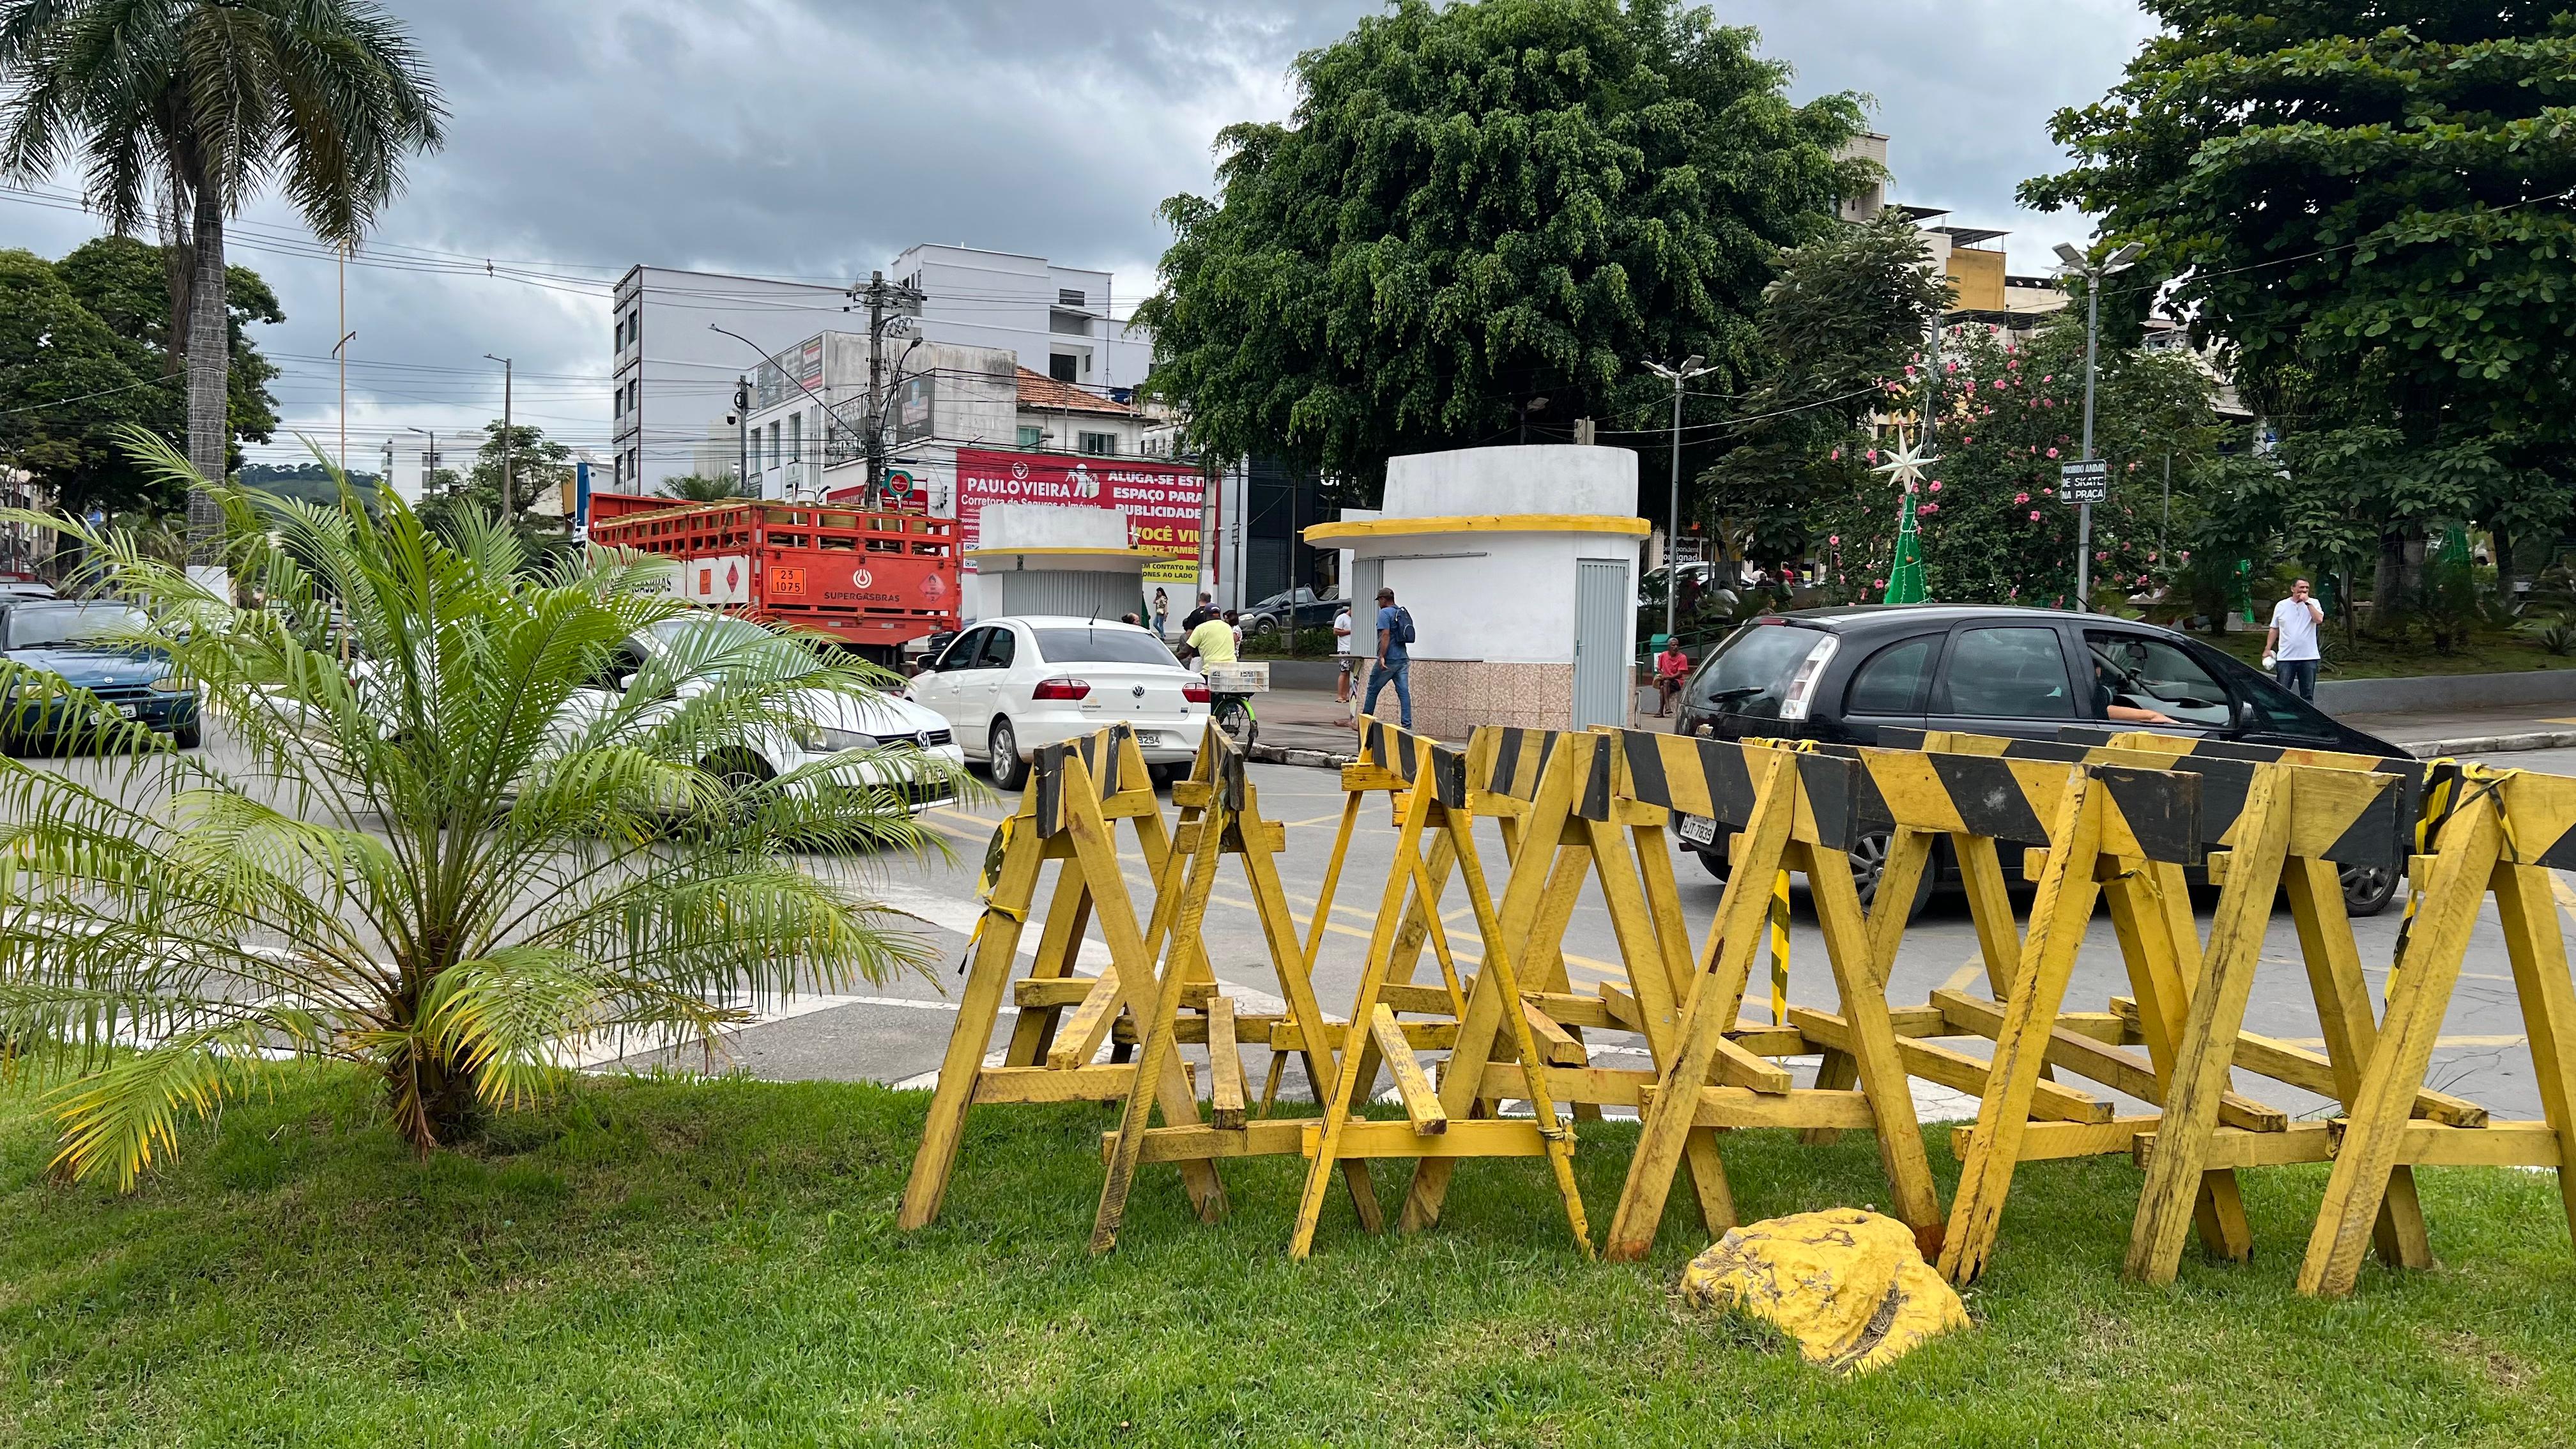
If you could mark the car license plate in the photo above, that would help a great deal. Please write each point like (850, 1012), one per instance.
(129, 710)
(1699, 830)
(1149, 737)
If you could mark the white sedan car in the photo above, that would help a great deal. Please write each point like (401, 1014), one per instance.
(833, 722)
(1008, 686)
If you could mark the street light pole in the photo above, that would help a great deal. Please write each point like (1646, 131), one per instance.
(1680, 378)
(2093, 273)
(509, 440)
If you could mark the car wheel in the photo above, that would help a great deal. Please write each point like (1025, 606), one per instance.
(2367, 889)
(1265, 625)
(1869, 861)
(1163, 775)
(1008, 768)
(1713, 861)
(187, 736)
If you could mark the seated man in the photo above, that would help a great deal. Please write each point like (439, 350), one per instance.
(2107, 688)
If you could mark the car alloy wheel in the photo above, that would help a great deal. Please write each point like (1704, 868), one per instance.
(1007, 767)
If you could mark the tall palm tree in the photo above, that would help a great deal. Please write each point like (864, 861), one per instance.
(180, 111)
(459, 828)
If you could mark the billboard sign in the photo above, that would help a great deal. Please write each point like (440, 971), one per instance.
(912, 406)
(1163, 502)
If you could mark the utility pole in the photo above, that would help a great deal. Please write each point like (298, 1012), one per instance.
(1680, 378)
(880, 297)
(2093, 273)
(509, 441)
(742, 436)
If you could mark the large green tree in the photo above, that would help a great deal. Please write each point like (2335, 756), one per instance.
(66, 382)
(178, 112)
(2369, 205)
(1477, 206)
(60, 434)
(1843, 328)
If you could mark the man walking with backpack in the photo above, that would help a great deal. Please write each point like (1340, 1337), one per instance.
(1394, 631)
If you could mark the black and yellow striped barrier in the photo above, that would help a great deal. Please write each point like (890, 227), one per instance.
(1062, 815)
(1440, 1125)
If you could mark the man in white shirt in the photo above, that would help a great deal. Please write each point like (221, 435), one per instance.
(2290, 645)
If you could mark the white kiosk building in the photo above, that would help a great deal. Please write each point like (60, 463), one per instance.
(1519, 566)
(1041, 558)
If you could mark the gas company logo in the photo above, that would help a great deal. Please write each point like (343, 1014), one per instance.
(861, 578)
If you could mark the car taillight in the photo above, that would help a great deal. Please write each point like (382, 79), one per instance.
(1811, 671)
(1061, 689)
(1195, 692)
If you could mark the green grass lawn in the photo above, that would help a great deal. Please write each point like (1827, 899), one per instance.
(666, 1263)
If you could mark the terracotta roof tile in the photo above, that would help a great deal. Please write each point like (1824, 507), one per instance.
(1040, 391)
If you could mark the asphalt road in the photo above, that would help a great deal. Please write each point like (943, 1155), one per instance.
(897, 1031)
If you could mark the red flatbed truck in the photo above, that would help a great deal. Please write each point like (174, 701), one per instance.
(876, 575)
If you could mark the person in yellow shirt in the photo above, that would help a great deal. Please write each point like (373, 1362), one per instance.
(1212, 642)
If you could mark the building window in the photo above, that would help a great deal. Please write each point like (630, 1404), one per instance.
(795, 437)
(1060, 367)
(1099, 445)
(1032, 437)
(1068, 297)
(775, 456)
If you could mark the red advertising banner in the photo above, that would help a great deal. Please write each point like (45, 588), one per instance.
(1163, 502)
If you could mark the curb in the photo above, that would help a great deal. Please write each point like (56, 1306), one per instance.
(1293, 755)
(2494, 744)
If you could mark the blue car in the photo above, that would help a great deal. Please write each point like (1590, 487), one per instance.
(67, 637)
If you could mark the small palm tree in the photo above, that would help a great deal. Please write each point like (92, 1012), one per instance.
(187, 108)
(441, 833)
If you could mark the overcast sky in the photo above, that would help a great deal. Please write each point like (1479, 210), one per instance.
(817, 138)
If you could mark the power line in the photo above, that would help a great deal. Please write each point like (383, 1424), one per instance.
(84, 397)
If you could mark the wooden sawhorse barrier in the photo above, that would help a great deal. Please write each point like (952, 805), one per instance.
(1228, 822)
(1440, 800)
(2110, 830)
(2487, 834)
(1797, 811)
(2265, 825)
(1062, 815)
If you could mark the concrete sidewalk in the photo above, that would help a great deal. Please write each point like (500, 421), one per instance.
(1304, 727)
(2494, 730)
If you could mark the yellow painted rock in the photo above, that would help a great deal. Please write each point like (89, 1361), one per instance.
(1848, 1285)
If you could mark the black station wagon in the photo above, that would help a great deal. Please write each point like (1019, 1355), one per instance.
(1843, 675)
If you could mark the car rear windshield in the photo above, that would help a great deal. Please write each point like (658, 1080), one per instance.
(1102, 646)
(34, 626)
(1750, 672)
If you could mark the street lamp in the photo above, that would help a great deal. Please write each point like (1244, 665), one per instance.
(428, 458)
(2093, 273)
(1692, 366)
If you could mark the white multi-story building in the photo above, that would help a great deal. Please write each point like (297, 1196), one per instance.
(1061, 321)
(674, 376)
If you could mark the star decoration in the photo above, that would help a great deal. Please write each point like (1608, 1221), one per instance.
(1905, 466)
